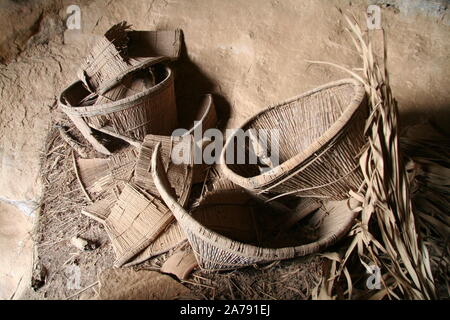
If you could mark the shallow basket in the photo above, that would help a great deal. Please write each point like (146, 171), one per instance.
(321, 134)
(229, 240)
(152, 111)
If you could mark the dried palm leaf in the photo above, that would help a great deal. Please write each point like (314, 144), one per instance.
(383, 200)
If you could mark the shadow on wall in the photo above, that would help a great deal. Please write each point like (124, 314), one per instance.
(190, 82)
(439, 120)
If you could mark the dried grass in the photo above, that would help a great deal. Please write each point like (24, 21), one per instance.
(386, 234)
(291, 280)
(429, 171)
(60, 220)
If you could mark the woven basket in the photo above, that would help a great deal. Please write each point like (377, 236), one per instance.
(321, 134)
(199, 109)
(215, 251)
(152, 111)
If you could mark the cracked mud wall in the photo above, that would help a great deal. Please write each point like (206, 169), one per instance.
(250, 54)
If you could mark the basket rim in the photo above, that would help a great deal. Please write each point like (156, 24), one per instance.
(209, 103)
(264, 179)
(217, 240)
(115, 106)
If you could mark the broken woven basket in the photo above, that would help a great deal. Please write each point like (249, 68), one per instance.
(152, 110)
(320, 136)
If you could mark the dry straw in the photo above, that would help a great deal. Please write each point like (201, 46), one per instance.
(384, 202)
(321, 134)
(429, 173)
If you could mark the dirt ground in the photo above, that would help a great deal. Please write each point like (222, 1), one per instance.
(249, 54)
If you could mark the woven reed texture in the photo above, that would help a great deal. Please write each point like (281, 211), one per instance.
(100, 209)
(108, 175)
(321, 134)
(221, 184)
(215, 251)
(107, 58)
(168, 239)
(135, 221)
(172, 236)
(180, 175)
(152, 111)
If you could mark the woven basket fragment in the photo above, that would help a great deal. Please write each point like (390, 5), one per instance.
(108, 175)
(135, 221)
(172, 236)
(100, 209)
(180, 175)
(168, 239)
(107, 58)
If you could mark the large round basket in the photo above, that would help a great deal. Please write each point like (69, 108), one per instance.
(151, 111)
(320, 136)
(223, 234)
